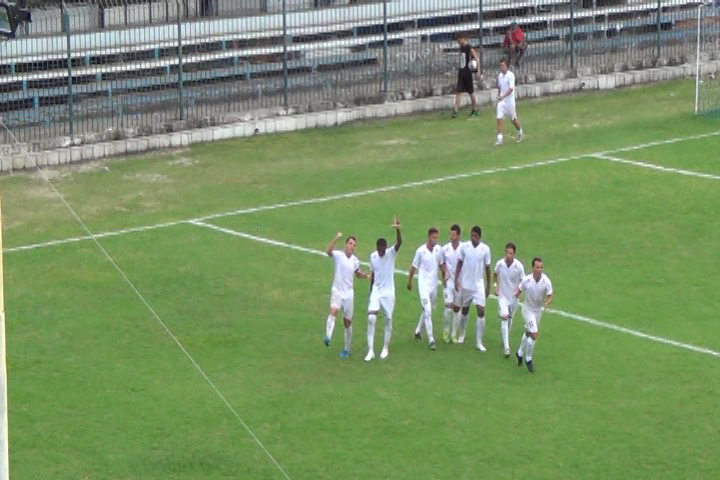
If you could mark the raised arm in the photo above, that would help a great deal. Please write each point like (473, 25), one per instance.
(331, 246)
(398, 234)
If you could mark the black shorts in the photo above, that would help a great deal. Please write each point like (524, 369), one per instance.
(465, 81)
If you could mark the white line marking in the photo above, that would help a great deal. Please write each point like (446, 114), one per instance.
(571, 316)
(659, 168)
(360, 193)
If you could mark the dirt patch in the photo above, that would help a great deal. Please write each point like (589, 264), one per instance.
(183, 161)
(147, 177)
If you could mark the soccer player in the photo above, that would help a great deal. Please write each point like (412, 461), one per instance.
(538, 295)
(382, 290)
(428, 261)
(473, 258)
(506, 102)
(452, 300)
(469, 63)
(342, 295)
(509, 272)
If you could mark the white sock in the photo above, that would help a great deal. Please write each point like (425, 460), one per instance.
(329, 326)
(504, 332)
(520, 131)
(429, 327)
(448, 319)
(372, 318)
(388, 332)
(463, 324)
(420, 324)
(529, 349)
(480, 331)
(523, 343)
(456, 323)
(348, 337)
(499, 138)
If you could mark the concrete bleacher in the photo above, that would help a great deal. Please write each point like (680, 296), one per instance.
(33, 74)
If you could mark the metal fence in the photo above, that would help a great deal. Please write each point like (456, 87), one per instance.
(96, 70)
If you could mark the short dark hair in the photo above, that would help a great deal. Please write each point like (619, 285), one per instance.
(504, 60)
(381, 243)
(432, 230)
(351, 237)
(456, 228)
(477, 230)
(462, 35)
(511, 245)
(536, 259)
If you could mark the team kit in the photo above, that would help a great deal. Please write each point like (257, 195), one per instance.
(464, 270)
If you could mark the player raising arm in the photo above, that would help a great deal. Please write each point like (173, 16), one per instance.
(538, 295)
(342, 294)
(382, 290)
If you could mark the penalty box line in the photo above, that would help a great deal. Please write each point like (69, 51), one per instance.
(568, 315)
(359, 193)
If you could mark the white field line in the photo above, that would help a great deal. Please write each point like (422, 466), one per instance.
(359, 193)
(571, 316)
(659, 168)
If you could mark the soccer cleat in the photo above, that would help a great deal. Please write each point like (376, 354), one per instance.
(507, 353)
(454, 115)
(446, 337)
(454, 339)
(481, 347)
(461, 339)
(530, 366)
(519, 359)
(519, 137)
(433, 346)
(384, 354)
(474, 113)
(344, 354)
(418, 336)
(327, 341)
(370, 356)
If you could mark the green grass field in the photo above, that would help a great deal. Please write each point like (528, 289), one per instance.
(99, 389)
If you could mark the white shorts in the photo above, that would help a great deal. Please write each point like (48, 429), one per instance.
(428, 299)
(475, 297)
(346, 303)
(384, 301)
(451, 296)
(532, 319)
(507, 308)
(506, 109)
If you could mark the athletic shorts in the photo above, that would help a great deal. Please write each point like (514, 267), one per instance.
(346, 303)
(507, 308)
(382, 301)
(506, 109)
(428, 299)
(532, 319)
(464, 81)
(474, 297)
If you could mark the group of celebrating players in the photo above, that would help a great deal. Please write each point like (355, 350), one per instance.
(459, 266)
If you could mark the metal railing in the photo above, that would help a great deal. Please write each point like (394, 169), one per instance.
(97, 70)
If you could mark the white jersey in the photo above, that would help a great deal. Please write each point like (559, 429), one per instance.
(474, 259)
(509, 278)
(536, 291)
(426, 262)
(506, 82)
(345, 268)
(450, 256)
(383, 269)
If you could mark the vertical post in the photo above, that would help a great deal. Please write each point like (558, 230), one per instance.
(697, 61)
(385, 47)
(4, 450)
(659, 26)
(180, 63)
(71, 100)
(572, 34)
(286, 82)
(480, 34)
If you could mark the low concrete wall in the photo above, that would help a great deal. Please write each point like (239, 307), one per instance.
(279, 121)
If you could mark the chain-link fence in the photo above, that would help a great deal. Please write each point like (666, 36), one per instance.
(96, 68)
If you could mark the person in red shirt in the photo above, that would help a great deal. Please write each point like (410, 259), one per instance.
(515, 44)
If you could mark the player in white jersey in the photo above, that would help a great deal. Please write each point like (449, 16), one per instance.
(473, 259)
(429, 262)
(506, 102)
(509, 272)
(382, 290)
(452, 300)
(538, 295)
(342, 296)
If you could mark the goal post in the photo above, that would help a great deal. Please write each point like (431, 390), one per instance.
(707, 59)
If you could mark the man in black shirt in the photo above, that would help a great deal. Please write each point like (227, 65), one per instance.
(469, 64)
